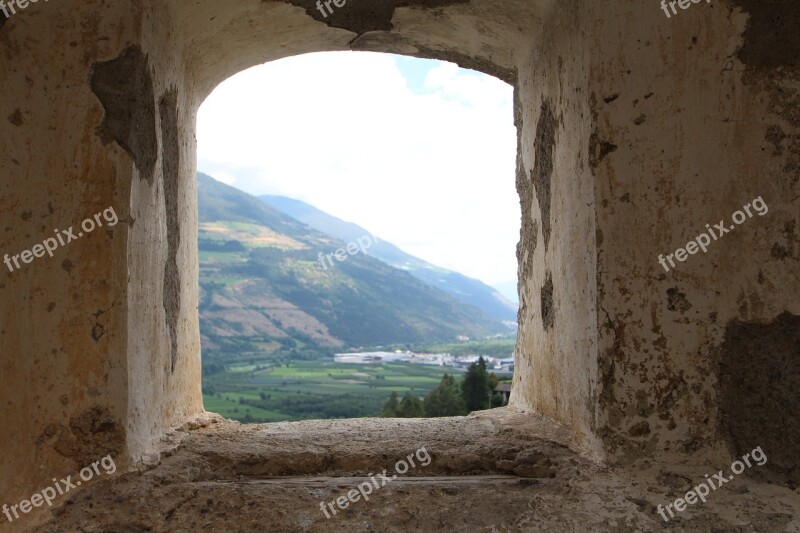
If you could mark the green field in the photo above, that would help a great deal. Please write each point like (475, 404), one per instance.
(313, 389)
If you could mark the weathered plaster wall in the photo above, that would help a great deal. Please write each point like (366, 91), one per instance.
(164, 352)
(89, 337)
(556, 369)
(63, 334)
(142, 89)
(697, 118)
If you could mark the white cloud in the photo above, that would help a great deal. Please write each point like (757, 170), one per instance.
(224, 177)
(432, 173)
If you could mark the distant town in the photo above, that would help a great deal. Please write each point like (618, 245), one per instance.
(459, 362)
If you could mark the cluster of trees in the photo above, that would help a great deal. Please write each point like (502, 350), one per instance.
(449, 398)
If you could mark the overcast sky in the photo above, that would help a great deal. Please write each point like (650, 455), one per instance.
(421, 153)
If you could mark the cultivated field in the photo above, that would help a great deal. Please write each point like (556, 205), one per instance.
(313, 389)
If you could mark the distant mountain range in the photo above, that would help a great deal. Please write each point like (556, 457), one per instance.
(467, 290)
(263, 289)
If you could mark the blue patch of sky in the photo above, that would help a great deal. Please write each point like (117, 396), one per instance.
(415, 70)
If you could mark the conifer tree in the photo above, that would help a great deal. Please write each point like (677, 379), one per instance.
(411, 407)
(445, 399)
(391, 406)
(476, 387)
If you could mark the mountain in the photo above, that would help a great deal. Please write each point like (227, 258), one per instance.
(467, 290)
(263, 289)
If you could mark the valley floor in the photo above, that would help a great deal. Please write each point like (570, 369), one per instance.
(498, 470)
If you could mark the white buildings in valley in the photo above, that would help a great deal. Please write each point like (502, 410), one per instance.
(461, 362)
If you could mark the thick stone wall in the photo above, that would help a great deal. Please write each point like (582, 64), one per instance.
(164, 347)
(556, 368)
(99, 346)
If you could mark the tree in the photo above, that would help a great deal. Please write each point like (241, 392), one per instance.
(476, 387)
(445, 399)
(391, 406)
(411, 407)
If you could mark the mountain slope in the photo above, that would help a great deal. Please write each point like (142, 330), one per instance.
(263, 289)
(467, 290)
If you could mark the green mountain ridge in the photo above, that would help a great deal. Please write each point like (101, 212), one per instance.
(467, 290)
(263, 290)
